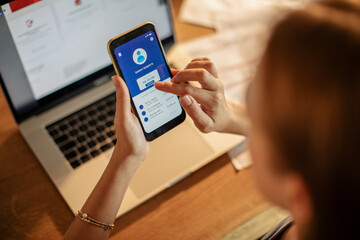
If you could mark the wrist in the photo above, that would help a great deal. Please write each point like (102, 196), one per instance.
(238, 122)
(121, 159)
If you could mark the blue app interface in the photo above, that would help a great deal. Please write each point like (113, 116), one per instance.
(142, 63)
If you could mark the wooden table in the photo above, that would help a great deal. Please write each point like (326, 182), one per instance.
(206, 205)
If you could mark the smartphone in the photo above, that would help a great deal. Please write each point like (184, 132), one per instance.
(139, 58)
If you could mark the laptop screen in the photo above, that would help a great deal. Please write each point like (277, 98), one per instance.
(48, 47)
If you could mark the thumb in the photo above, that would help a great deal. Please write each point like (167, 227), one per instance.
(202, 121)
(123, 107)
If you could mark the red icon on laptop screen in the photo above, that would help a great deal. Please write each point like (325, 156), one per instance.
(78, 2)
(20, 4)
(29, 23)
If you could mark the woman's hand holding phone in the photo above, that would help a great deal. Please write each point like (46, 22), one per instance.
(129, 152)
(130, 137)
(207, 106)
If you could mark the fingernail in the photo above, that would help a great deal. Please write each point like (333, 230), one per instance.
(174, 79)
(113, 78)
(186, 101)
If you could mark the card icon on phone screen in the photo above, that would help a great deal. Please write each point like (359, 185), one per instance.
(148, 79)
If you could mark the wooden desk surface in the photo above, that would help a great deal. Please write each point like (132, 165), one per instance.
(206, 205)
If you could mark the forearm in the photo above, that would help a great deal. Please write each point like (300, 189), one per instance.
(238, 121)
(104, 201)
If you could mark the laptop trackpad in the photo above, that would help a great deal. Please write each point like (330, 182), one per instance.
(170, 157)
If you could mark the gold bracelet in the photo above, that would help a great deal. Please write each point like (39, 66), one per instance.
(86, 218)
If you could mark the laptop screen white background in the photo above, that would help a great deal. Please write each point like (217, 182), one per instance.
(60, 42)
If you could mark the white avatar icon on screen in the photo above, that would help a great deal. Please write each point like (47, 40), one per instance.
(139, 56)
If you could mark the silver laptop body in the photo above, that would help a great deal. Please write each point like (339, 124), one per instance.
(55, 74)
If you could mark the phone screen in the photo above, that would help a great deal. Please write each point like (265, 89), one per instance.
(142, 63)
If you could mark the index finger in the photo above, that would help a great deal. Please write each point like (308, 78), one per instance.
(206, 79)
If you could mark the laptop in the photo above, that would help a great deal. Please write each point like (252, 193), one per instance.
(55, 74)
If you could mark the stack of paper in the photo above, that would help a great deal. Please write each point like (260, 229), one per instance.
(206, 12)
(235, 54)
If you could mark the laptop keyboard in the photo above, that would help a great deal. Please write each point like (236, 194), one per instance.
(87, 133)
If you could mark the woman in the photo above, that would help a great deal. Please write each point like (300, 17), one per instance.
(303, 108)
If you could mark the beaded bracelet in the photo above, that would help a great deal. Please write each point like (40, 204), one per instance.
(86, 218)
